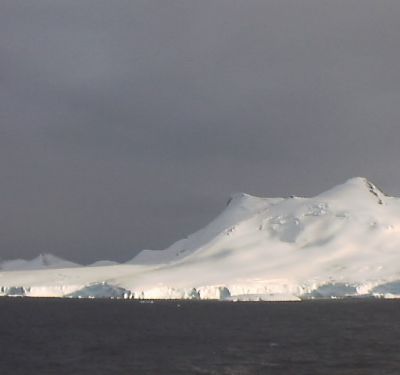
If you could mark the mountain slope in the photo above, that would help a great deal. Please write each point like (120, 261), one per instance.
(43, 261)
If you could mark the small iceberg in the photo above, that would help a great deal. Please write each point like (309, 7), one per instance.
(101, 290)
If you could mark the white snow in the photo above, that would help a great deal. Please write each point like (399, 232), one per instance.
(342, 243)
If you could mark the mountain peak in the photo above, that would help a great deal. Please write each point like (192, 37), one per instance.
(355, 189)
(238, 197)
(358, 180)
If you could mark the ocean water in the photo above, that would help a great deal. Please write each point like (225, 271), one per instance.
(56, 336)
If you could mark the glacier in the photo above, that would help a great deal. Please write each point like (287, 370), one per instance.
(342, 243)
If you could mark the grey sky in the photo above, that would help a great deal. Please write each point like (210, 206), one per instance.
(127, 124)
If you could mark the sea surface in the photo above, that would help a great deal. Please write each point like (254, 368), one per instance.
(64, 336)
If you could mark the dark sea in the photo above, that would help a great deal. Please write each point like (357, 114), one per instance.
(65, 336)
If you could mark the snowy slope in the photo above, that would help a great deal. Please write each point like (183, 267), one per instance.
(239, 207)
(343, 242)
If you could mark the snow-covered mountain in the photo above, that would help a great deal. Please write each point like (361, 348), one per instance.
(43, 261)
(343, 242)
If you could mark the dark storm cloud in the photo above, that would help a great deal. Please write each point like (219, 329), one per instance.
(126, 125)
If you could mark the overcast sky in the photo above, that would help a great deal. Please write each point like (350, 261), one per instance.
(127, 124)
